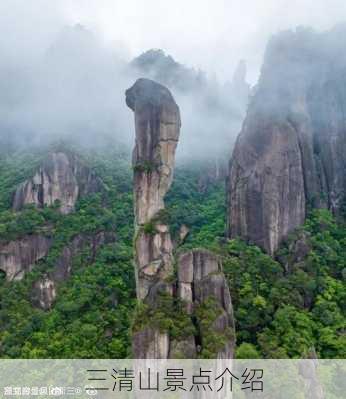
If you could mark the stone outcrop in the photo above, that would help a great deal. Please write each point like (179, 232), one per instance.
(45, 289)
(289, 155)
(202, 290)
(150, 343)
(220, 108)
(19, 256)
(157, 126)
(200, 278)
(298, 248)
(44, 293)
(61, 177)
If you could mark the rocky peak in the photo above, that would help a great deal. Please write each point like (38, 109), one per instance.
(289, 155)
(157, 126)
(161, 67)
(148, 93)
(61, 177)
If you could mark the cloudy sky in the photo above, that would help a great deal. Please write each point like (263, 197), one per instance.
(208, 34)
(76, 88)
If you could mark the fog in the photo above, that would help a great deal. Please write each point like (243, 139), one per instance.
(65, 65)
(205, 34)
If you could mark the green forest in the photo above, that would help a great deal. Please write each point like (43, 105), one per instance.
(284, 307)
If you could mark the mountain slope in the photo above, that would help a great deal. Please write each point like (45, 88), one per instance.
(281, 308)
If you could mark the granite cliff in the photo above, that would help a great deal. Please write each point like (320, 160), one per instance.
(19, 256)
(61, 177)
(157, 126)
(289, 155)
(44, 290)
(199, 273)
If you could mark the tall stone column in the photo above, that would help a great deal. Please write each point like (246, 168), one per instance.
(157, 124)
(185, 308)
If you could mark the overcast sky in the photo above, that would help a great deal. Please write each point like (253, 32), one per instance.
(79, 91)
(208, 34)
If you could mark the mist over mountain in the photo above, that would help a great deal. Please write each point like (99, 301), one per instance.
(74, 92)
(99, 255)
(212, 113)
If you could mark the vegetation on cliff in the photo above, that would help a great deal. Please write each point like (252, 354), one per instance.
(92, 313)
(283, 307)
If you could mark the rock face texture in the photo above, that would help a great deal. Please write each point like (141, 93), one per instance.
(18, 257)
(289, 155)
(201, 279)
(44, 293)
(202, 290)
(157, 125)
(196, 93)
(45, 290)
(61, 177)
